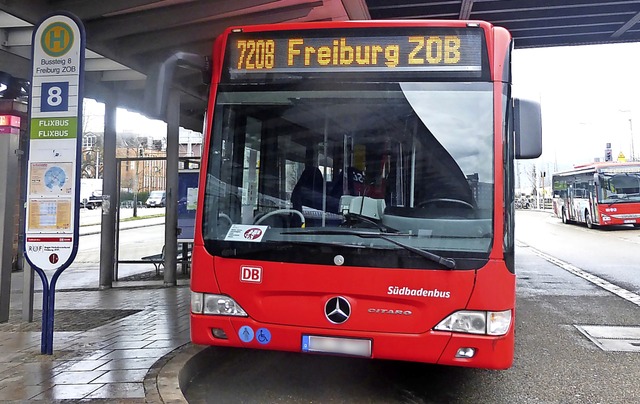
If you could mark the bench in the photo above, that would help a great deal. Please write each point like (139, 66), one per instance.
(158, 259)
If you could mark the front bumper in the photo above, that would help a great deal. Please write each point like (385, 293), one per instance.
(429, 347)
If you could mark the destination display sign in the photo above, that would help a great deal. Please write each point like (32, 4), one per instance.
(54, 142)
(451, 50)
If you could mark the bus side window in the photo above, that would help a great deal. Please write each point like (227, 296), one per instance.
(580, 190)
(560, 193)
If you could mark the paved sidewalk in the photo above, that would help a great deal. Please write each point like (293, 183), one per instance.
(108, 362)
(109, 345)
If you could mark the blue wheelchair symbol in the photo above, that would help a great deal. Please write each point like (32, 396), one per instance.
(263, 336)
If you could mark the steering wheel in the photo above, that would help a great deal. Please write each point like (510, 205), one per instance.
(280, 212)
(226, 218)
(446, 200)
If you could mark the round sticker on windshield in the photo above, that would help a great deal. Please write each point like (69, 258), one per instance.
(253, 233)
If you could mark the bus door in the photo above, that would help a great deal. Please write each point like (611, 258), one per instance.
(560, 196)
(593, 199)
(579, 201)
(570, 206)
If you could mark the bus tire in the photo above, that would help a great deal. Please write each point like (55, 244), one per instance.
(587, 218)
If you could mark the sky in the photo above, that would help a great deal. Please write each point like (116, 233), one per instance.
(126, 121)
(588, 96)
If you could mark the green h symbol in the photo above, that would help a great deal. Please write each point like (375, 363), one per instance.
(56, 38)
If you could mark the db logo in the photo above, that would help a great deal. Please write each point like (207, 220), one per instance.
(251, 274)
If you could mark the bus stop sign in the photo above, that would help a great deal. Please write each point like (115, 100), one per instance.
(55, 140)
(51, 224)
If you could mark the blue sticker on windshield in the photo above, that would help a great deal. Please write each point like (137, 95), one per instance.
(245, 333)
(263, 336)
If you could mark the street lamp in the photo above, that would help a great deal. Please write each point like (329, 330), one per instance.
(632, 156)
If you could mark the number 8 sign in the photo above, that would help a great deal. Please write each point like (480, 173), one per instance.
(54, 97)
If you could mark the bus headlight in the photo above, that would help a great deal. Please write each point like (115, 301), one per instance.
(477, 322)
(498, 322)
(218, 305)
(471, 322)
(221, 305)
(197, 300)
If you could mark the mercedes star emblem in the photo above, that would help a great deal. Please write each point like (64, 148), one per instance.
(337, 310)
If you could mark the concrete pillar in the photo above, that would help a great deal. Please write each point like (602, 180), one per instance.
(109, 196)
(171, 218)
(9, 144)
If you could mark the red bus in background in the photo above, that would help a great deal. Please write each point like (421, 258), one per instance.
(356, 193)
(598, 194)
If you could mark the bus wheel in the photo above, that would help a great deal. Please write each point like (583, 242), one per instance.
(587, 218)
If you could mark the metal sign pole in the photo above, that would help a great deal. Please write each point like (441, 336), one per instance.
(55, 140)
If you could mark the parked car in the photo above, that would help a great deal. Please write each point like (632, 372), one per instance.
(93, 201)
(157, 199)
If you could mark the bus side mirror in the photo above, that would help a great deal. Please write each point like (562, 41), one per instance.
(527, 124)
(160, 80)
(156, 93)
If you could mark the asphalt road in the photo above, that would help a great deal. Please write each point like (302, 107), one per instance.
(147, 238)
(610, 253)
(554, 361)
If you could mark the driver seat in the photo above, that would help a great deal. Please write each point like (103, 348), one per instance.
(308, 189)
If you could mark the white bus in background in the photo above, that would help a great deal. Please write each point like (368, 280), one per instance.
(598, 194)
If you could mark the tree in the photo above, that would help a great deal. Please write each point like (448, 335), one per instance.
(532, 175)
(92, 146)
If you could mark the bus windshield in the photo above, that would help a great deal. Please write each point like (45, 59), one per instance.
(413, 160)
(620, 187)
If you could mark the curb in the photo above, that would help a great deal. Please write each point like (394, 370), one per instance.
(172, 373)
(97, 229)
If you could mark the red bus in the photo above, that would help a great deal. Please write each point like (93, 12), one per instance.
(356, 196)
(598, 194)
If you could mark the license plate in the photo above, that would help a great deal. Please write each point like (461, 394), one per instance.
(630, 221)
(333, 345)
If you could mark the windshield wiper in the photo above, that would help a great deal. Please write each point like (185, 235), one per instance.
(449, 263)
(619, 198)
(354, 218)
